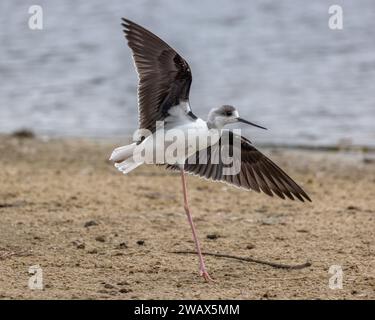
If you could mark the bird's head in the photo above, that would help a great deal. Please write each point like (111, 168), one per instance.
(226, 114)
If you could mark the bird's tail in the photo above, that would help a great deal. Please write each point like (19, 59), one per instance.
(123, 158)
(127, 165)
(122, 153)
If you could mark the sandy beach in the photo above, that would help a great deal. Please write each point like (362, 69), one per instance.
(97, 234)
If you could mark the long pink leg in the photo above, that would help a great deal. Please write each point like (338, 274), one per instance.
(202, 266)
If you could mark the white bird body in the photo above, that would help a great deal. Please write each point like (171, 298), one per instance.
(179, 138)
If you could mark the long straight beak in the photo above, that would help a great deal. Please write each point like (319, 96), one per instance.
(250, 123)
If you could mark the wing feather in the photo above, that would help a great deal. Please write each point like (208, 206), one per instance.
(164, 76)
(257, 172)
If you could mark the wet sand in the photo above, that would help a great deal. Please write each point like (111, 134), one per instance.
(97, 234)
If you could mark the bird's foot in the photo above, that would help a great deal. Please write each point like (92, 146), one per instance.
(203, 272)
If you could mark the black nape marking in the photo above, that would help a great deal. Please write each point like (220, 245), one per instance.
(227, 110)
(192, 115)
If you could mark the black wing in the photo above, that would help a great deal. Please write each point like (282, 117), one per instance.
(164, 76)
(255, 171)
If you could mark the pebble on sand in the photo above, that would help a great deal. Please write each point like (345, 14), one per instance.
(122, 245)
(100, 238)
(79, 244)
(213, 236)
(90, 223)
(23, 134)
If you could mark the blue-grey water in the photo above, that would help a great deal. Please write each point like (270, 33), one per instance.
(276, 61)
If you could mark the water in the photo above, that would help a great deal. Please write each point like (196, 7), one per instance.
(276, 61)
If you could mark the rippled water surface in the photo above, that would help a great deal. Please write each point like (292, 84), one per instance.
(276, 61)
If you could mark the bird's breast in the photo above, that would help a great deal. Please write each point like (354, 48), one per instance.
(199, 137)
(175, 144)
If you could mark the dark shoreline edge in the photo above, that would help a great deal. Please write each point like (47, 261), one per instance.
(29, 134)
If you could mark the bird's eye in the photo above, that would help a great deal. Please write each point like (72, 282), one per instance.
(228, 113)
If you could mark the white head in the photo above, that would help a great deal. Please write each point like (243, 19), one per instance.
(226, 114)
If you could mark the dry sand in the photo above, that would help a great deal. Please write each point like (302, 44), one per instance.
(49, 190)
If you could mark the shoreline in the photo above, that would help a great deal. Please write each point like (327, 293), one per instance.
(100, 235)
(338, 147)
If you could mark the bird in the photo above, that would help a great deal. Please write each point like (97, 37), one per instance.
(164, 80)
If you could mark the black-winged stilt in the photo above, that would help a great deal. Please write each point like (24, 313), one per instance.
(163, 101)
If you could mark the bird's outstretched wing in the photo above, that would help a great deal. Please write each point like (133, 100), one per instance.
(164, 76)
(256, 171)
